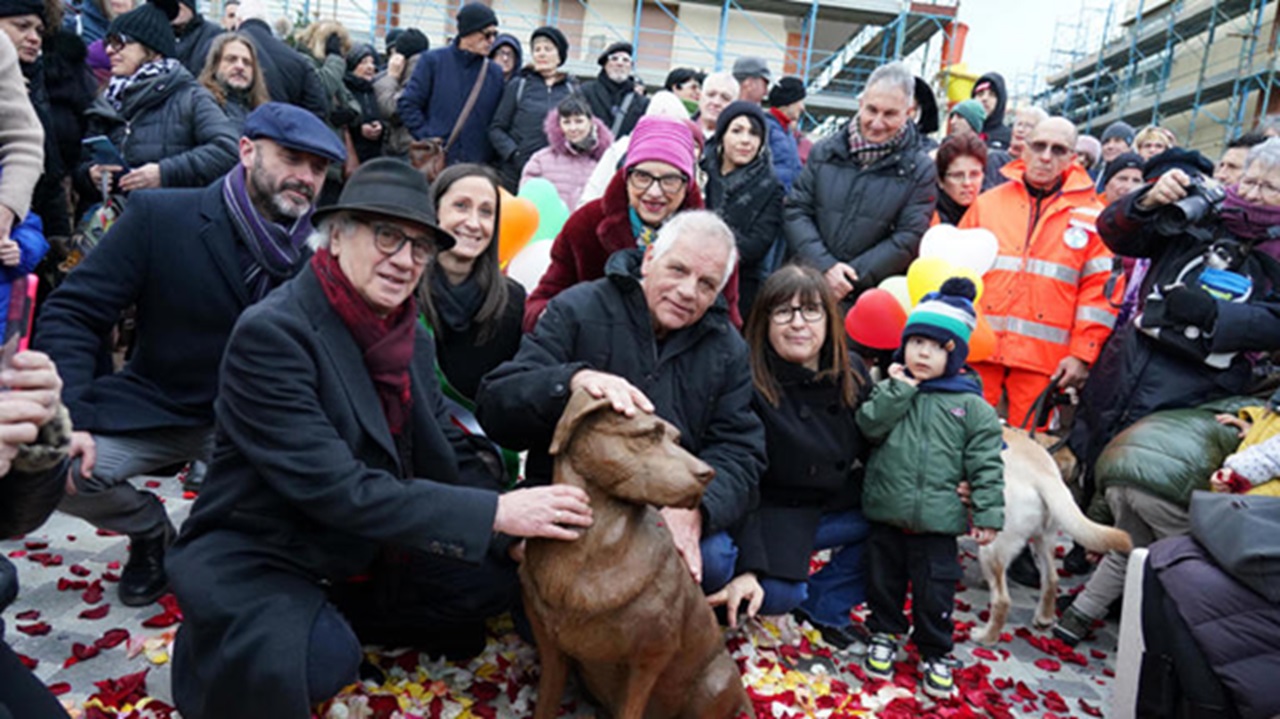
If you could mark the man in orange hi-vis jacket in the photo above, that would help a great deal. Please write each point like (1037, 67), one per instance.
(1045, 297)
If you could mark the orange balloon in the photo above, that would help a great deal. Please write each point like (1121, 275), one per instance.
(982, 343)
(517, 224)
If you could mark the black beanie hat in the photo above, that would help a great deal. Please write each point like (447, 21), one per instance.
(474, 17)
(788, 90)
(1123, 161)
(556, 37)
(616, 47)
(740, 108)
(411, 42)
(149, 24)
(1189, 161)
(358, 53)
(189, 3)
(13, 8)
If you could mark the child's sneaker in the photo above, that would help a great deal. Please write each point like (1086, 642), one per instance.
(881, 654)
(936, 675)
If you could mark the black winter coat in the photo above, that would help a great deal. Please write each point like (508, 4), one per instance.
(607, 97)
(816, 457)
(1136, 374)
(189, 291)
(171, 120)
(289, 74)
(193, 43)
(995, 132)
(306, 489)
(49, 200)
(698, 379)
(871, 217)
(516, 131)
(464, 359)
(71, 87)
(750, 200)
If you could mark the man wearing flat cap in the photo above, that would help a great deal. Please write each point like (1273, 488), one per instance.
(616, 96)
(190, 260)
(438, 91)
(752, 74)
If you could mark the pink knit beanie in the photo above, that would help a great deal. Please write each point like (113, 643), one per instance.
(663, 139)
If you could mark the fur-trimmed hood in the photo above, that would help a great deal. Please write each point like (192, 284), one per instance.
(558, 143)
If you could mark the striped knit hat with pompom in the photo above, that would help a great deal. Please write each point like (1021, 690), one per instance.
(948, 317)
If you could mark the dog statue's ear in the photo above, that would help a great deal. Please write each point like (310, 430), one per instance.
(581, 405)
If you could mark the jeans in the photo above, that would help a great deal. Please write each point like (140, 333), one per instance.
(828, 595)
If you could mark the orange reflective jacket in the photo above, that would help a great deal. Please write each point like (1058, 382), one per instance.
(1044, 297)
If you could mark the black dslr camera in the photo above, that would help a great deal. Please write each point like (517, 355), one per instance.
(1203, 198)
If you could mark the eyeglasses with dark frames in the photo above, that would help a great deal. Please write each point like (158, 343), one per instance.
(117, 41)
(390, 239)
(784, 314)
(669, 184)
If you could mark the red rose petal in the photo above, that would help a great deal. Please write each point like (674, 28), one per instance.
(59, 688)
(79, 570)
(107, 533)
(93, 594)
(39, 629)
(28, 616)
(28, 662)
(984, 653)
(97, 612)
(1089, 709)
(1097, 654)
(152, 483)
(84, 651)
(113, 565)
(112, 638)
(1049, 665)
(34, 545)
(17, 554)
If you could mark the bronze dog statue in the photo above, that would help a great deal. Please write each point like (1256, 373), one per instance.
(618, 604)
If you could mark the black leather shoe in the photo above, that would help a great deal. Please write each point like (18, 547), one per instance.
(1076, 561)
(143, 580)
(1023, 570)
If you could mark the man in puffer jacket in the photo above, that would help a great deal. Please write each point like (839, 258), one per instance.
(865, 198)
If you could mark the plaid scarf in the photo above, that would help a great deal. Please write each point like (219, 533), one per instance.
(866, 152)
(118, 86)
(273, 250)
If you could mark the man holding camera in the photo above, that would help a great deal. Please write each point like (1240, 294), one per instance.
(1045, 295)
(1211, 298)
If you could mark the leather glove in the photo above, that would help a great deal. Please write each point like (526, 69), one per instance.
(343, 116)
(1191, 306)
(333, 44)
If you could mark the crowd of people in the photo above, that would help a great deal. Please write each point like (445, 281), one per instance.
(306, 248)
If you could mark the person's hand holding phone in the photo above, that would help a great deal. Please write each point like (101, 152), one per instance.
(144, 178)
(97, 171)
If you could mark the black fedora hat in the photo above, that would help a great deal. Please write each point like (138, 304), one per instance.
(391, 188)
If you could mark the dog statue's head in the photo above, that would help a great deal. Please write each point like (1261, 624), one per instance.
(637, 459)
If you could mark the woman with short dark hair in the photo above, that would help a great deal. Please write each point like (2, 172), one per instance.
(962, 161)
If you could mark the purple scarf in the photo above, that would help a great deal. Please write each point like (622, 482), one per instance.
(1247, 220)
(273, 250)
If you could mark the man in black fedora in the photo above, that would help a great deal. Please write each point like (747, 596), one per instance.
(344, 507)
(191, 260)
(617, 95)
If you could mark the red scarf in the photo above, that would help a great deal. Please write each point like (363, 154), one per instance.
(387, 343)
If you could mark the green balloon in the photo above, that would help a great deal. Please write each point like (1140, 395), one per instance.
(552, 212)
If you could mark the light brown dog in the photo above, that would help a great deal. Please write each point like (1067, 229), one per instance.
(1036, 503)
(618, 604)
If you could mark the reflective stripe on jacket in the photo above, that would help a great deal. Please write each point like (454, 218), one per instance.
(1044, 296)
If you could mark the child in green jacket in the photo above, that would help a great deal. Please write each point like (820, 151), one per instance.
(932, 430)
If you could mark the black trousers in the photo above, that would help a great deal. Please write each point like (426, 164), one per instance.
(22, 696)
(929, 562)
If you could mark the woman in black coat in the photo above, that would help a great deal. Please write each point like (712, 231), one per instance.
(166, 126)
(342, 505)
(807, 389)
(743, 190)
(473, 310)
(516, 131)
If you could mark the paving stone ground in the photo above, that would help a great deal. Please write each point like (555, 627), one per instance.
(80, 546)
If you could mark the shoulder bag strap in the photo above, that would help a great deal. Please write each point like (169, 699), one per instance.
(622, 113)
(466, 109)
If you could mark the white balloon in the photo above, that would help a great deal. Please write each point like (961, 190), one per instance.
(975, 248)
(529, 264)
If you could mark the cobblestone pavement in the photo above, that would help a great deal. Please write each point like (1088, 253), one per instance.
(62, 592)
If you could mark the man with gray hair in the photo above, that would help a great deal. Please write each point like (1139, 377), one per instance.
(653, 335)
(718, 90)
(866, 196)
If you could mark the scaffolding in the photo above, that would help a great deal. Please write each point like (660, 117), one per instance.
(833, 45)
(1191, 65)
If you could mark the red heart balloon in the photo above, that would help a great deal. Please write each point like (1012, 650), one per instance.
(876, 320)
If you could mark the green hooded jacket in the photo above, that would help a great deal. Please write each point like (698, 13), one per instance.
(927, 442)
